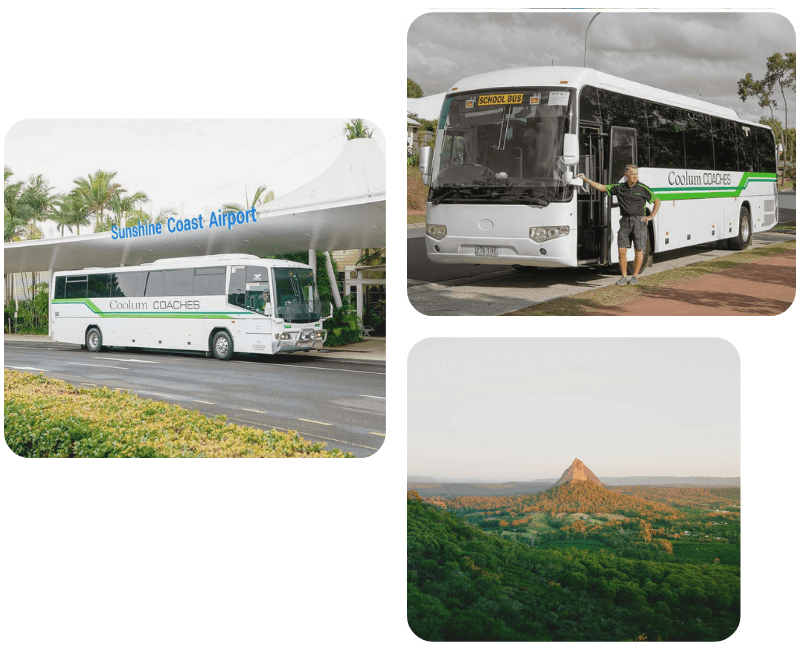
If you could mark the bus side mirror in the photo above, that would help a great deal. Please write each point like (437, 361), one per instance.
(571, 150)
(425, 160)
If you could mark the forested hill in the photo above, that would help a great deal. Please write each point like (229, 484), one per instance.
(585, 496)
(465, 585)
(579, 496)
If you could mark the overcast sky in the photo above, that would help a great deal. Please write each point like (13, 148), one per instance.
(524, 409)
(189, 165)
(694, 54)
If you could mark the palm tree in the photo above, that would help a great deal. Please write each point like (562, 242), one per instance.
(25, 203)
(97, 191)
(140, 216)
(261, 197)
(121, 205)
(73, 212)
(355, 129)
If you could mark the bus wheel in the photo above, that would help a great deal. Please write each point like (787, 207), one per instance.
(745, 236)
(222, 346)
(94, 339)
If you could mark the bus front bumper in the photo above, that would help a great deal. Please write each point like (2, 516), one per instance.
(501, 234)
(487, 250)
(300, 341)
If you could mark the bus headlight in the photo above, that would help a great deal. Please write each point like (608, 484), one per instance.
(319, 335)
(436, 231)
(545, 233)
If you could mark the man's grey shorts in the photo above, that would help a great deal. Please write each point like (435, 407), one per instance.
(632, 229)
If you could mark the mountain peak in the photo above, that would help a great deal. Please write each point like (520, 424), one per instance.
(577, 472)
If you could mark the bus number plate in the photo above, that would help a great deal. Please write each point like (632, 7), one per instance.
(487, 251)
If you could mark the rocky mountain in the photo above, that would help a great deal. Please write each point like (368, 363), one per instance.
(577, 472)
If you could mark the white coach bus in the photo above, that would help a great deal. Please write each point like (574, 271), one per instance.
(216, 303)
(509, 145)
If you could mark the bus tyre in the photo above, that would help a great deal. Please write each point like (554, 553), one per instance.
(222, 346)
(94, 339)
(745, 236)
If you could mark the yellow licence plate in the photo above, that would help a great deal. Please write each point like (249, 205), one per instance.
(495, 100)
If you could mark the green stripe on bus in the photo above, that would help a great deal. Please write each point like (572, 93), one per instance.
(144, 314)
(716, 192)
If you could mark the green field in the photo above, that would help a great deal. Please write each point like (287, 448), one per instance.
(706, 552)
(587, 544)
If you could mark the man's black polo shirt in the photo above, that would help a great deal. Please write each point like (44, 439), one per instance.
(632, 198)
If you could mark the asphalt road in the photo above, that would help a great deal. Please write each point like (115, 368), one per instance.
(340, 403)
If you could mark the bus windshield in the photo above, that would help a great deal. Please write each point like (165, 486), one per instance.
(295, 297)
(504, 146)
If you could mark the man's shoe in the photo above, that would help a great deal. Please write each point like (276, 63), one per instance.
(634, 280)
(622, 281)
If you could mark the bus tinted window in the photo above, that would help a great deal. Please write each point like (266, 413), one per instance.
(766, 151)
(209, 281)
(155, 284)
(666, 136)
(58, 293)
(76, 286)
(98, 285)
(124, 285)
(747, 149)
(236, 286)
(178, 282)
(699, 143)
(725, 159)
(590, 105)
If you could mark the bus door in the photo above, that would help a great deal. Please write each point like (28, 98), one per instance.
(591, 206)
(622, 152)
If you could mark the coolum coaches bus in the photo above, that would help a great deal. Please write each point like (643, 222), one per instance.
(509, 145)
(216, 303)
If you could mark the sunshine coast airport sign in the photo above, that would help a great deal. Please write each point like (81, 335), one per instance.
(220, 219)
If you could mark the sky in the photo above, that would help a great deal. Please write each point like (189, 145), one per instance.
(523, 409)
(192, 166)
(700, 55)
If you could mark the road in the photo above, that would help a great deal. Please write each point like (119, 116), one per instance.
(340, 403)
(490, 290)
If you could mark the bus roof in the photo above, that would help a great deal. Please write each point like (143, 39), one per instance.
(574, 77)
(199, 261)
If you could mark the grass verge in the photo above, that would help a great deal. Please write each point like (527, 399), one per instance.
(585, 303)
(49, 418)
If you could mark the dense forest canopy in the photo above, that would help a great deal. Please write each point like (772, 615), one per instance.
(576, 562)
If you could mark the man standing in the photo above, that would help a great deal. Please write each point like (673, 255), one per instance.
(633, 198)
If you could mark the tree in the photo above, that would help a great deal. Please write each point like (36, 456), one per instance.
(413, 89)
(261, 197)
(781, 72)
(122, 205)
(97, 192)
(356, 129)
(72, 212)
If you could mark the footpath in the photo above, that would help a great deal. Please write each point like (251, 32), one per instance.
(763, 287)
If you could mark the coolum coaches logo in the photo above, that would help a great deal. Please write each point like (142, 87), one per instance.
(704, 180)
(217, 220)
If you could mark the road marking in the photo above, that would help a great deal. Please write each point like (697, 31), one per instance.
(202, 401)
(162, 395)
(86, 383)
(374, 433)
(94, 365)
(303, 434)
(372, 396)
(254, 411)
(363, 372)
(326, 424)
(131, 360)
(25, 368)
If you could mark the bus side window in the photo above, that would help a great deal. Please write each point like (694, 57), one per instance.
(61, 282)
(76, 286)
(236, 286)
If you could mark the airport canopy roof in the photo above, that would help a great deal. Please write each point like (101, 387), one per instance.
(428, 108)
(342, 208)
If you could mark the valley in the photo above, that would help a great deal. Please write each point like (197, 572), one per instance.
(580, 560)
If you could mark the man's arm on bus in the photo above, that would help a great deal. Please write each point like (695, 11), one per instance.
(597, 186)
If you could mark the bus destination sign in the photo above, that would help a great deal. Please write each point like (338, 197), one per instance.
(496, 100)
